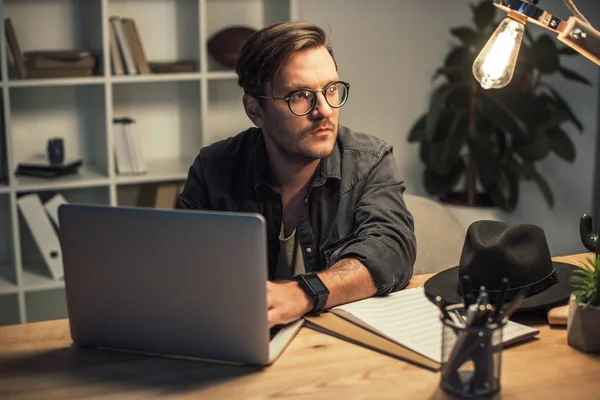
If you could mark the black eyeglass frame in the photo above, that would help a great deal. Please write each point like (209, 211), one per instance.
(314, 101)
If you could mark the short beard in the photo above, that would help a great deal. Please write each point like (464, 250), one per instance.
(299, 155)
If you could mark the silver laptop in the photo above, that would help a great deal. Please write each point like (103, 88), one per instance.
(169, 282)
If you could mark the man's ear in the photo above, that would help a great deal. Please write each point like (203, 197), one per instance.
(253, 109)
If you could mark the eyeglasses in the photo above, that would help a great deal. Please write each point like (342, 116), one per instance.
(303, 101)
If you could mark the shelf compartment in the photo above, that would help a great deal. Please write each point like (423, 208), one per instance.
(46, 305)
(160, 171)
(226, 116)
(75, 113)
(9, 309)
(8, 271)
(255, 14)
(167, 119)
(172, 37)
(36, 275)
(66, 25)
(154, 195)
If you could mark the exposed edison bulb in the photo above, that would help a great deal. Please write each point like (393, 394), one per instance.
(495, 65)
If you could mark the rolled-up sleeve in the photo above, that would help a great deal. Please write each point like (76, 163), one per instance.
(384, 240)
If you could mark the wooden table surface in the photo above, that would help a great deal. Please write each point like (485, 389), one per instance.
(38, 361)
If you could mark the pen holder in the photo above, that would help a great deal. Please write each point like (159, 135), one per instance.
(471, 357)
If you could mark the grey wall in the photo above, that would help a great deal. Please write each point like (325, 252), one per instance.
(389, 50)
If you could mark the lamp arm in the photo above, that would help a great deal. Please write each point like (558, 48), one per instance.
(581, 37)
(573, 8)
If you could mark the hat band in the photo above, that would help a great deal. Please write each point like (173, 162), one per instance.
(535, 287)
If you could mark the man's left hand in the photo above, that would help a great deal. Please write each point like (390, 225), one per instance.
(286, 303)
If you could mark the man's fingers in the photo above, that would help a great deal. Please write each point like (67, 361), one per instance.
(273, 317)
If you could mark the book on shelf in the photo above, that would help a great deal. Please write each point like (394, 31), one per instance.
(3, 160)
(404, 324)
(128, 147)
(173, 67)
(15, 49)
(41, 167)
(44, 60)
(60, 63)
(127, 51)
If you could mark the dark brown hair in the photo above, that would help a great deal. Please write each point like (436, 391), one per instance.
(266, 50)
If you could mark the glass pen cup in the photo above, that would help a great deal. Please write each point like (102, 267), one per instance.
(471, 356)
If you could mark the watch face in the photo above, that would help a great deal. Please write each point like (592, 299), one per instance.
(316, 285)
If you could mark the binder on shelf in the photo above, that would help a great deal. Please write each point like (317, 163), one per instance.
(52, 205)
(128, 148)
(43, 233)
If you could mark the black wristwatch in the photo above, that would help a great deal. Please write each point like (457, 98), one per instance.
(315, 289)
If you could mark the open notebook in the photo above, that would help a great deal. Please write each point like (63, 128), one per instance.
(409, 319)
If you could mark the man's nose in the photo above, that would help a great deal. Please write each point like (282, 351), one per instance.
(322, 108)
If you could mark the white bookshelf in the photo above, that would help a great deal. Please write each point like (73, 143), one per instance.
(176, 114)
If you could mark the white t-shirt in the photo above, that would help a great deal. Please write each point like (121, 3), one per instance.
(285, 271)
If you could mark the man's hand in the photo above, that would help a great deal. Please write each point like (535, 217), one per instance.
(286, 302)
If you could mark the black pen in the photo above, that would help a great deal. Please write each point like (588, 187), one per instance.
(442, 306)
(500, 298)
(514, 305)
(467, 294)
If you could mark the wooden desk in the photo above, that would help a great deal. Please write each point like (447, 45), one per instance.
(37, 361)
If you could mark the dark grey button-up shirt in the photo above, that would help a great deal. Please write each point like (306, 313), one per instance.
(354, 208)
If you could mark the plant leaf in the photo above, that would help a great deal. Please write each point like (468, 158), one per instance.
(500, 191)
(562, 104)
(546, 55)
(449, 149)
(465, 34)
(438, 185)
(536, 150)
(574, 76)
(417, 131)
(529, 172)
(483, 150)
(502, 116)
(437, 108)
(484, 14)
(561, 144)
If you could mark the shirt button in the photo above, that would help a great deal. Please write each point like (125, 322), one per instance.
(308, 250)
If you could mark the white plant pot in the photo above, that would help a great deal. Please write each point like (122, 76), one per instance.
(583, 327)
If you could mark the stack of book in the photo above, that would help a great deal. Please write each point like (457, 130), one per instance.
(129, 156)
(47, 63)
(59, 63)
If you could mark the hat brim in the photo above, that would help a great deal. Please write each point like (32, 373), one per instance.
(445, 283)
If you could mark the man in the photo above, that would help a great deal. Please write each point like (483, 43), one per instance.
(332, 198)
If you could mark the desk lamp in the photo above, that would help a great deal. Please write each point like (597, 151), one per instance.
(494, 66)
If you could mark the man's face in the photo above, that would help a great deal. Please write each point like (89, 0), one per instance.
(308, 137)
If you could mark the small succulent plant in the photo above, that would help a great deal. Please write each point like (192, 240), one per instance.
(586, 283)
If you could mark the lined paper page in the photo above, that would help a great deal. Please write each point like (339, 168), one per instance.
(410, 319)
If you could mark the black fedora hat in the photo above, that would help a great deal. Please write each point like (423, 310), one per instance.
(495, 250)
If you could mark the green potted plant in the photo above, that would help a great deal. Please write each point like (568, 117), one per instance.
(478, 145)
(583, 325)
